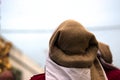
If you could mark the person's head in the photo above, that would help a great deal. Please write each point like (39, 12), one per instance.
(70, 42)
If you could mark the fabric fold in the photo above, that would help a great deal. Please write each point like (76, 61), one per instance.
(73, 46)
(57, 72)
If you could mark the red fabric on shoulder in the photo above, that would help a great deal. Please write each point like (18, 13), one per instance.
(38, 77)
(113, 74)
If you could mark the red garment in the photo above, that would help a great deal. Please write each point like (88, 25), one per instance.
(113, 74)
(38, 77)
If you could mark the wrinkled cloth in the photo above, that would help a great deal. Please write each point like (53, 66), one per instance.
(111, 71)
(113, 74)
(73, 47)
(105, 57)
(57, 72)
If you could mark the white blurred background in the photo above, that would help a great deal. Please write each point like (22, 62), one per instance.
(29, 24)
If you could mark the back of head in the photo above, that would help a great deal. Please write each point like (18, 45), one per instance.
(70, 42)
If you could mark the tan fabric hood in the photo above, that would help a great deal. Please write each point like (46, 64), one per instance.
(73, 46)
(105, 52)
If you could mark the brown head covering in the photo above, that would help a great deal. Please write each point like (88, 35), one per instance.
(103, 60)
(71, 45)
(105, 52)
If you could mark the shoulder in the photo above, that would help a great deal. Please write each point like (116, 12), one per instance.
(38, 77)
(113, 74)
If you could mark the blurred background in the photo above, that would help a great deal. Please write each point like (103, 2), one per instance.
(29, 24)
